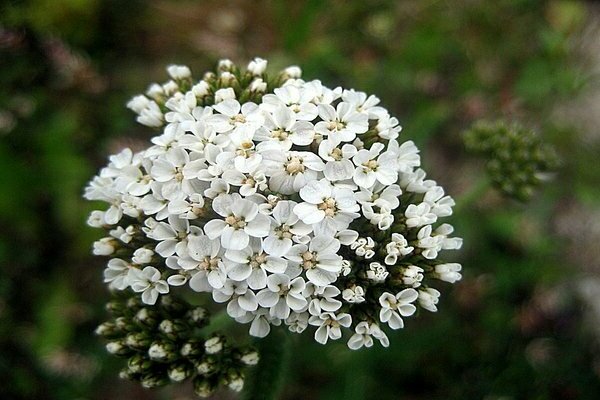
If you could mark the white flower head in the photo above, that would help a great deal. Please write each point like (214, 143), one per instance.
(295, 205)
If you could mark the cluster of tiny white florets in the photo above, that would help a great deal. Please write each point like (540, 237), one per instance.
(291, 202)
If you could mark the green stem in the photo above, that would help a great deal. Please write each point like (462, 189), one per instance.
(470, 197)
(264, 382)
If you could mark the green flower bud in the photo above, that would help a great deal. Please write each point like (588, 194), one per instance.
(249, 357)
(146, 318)
(214, 344)
(197, 315)
(173, 306)
(154, 379)
(108, 330)
(118, 348)
(234, 380)
(116, 308)
(192, 348)
(204, 387)
(162, 351)
(206, 366)
(139, 363)
(180, 371)
(174, 329)
(138, 340)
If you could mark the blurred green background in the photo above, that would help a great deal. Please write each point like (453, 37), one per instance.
(524, 323)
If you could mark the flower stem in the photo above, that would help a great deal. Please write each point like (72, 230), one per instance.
(265, 379)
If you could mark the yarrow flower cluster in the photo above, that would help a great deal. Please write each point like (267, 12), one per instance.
(287, 201)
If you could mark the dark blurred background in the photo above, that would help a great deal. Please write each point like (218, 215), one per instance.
(524, 323)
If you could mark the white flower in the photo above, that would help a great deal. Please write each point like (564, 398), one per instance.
(104, 247)
(407, 155)
(138, 103)
(428, 298)
(173, 236)
(242, 302)
(362, 336)
(232, 116)
(387, 127)
(363, 247)
(341, 124)
(319, 259)
(286, 225)
(397, 248)
(377, 272)
(441, 205)
(282, 295)
(257, 66)
(323, 298)
(291, 171)
(224, 94)
(252, 264)
(419, 215)
(338, 166)
(199, 134)
(177, 173)
(282, 128)
(354, 294)
(149, 282)
(429, 245)
(372, 166)
(258, 85)
(293, 72)
(325, 204)
(119, 273)
(206, 257)
(179, 72)
(142, 256)
(260, 326)
(330, 325)
(448, 272)
(241, 221)
(248, 183)
(393, 308)
(297, 322)
(295, 99)
(190, 207)
(151, 115)
(412, 276)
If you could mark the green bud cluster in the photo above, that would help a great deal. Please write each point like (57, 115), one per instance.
(518, 161)
(163, 344)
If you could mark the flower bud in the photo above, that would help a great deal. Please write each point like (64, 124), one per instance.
(203, 387)
(257, 66)
(162, 351)
(180, 371)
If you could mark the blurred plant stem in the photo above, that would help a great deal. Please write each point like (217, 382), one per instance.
(472, 195)
(264, 381)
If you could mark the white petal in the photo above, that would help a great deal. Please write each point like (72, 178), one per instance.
(276, 246)
(259, 226)
(214, 228)
(234, 239)
(239, 272)
(321, 334)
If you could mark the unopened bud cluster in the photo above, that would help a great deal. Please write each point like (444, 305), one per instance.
(518, 161)
(288, 201)
(162, 344)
